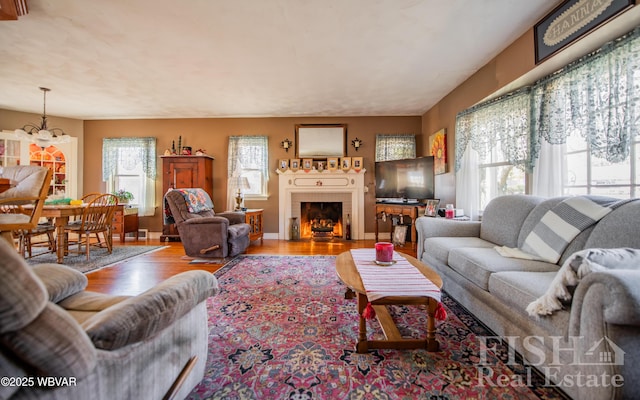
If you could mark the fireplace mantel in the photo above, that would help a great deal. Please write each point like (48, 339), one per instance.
(346, 186)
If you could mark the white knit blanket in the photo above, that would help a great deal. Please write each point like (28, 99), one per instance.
(399, 279)
(577, 267)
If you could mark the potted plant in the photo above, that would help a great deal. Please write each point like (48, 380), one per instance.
(123, 196)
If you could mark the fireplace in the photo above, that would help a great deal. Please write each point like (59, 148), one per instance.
(321, 220)
(344, 187)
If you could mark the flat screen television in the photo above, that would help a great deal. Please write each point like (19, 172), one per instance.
(409, 180)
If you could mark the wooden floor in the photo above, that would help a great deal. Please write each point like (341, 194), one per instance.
(134, 276)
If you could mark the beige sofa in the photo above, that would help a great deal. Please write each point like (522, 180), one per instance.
(602, 318)
(94, 346)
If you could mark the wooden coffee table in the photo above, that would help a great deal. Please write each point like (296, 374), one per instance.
(348, 274)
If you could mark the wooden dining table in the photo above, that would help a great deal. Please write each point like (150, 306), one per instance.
(60, 213)
(4, 184)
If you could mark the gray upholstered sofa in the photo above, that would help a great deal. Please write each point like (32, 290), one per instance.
(604, 311)
(93, 346)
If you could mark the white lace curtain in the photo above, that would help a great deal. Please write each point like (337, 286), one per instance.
(498, 130)
(142, 149)
(598, 98)
(395, 147)
(492, 132)
(246, 152)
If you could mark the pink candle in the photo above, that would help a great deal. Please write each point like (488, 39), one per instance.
(384, 252)
(449, 211)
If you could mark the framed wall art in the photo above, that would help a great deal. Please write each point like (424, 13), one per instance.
(438, 149)
(570, 21)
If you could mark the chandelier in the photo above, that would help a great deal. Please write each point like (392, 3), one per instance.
(42, 135)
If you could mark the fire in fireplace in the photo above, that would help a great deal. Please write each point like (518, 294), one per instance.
(320, 220)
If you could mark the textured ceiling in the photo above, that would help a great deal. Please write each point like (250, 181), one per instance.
(247, 58)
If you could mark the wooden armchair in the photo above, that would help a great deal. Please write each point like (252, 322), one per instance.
(21, 205)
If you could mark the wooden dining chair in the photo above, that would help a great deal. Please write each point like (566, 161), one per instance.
(97, 218)
(30, 188)
(86, 199)
(42, 236)
(89, 197)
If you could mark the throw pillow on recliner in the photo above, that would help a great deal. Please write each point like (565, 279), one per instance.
(138, 318)
(60, 281)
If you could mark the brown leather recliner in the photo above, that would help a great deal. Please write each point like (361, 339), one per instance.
(204, 233)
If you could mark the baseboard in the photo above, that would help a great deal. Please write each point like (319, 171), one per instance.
(274, 235)
(143, 234)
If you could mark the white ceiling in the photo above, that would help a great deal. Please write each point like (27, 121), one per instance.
(114, 59)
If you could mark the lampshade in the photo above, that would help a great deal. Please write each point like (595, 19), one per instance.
(42, 135)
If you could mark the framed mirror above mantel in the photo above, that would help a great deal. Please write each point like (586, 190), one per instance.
(320, 141)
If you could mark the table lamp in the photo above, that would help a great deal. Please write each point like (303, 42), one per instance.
(242, 183)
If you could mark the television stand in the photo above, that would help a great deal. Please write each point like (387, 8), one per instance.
(388, 210)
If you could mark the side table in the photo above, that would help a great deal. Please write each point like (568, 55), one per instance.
(125, 220)
(253, 217)
(411, 211)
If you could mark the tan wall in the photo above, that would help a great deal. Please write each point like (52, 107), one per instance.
(512, 68)
(514, 62)
(211, 135)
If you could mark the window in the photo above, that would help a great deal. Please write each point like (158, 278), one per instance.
(585, 119)
(395, 147)
(585, 173)
(573, 132)
(130, 164)
(492, 141)
(248, 157)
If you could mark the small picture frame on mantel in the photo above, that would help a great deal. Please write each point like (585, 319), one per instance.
(357, 163)
(332, 163)
(345, 163)
(283, 164)
(295, 164)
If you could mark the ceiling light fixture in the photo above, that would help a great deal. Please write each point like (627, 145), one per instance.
(41, 135)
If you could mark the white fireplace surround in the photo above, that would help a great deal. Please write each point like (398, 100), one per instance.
(326, 186)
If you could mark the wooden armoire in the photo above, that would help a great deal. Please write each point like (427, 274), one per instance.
(185, 172)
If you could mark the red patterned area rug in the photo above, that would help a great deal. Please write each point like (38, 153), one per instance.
(281, 329)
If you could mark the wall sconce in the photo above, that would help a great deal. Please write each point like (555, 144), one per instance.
(356, 143)
(286, 144)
